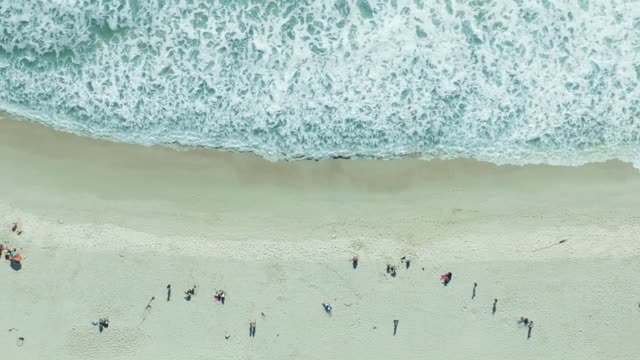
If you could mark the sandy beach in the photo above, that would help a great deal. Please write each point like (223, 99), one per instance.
(107, 226)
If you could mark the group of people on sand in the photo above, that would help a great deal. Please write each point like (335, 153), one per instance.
(7, 253)
(527, 324)
(445, 279)
(102, 323)
(15, 228)
(189, 293)
(391, 269)
(219, 296)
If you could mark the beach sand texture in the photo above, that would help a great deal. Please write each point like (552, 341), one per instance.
(107, 226)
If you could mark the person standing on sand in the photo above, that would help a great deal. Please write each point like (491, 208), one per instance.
(530, 328)
(495, 302)
(354, 262)
(252, 328)
(475, 285)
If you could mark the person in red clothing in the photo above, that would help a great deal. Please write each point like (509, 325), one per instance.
(446, 278)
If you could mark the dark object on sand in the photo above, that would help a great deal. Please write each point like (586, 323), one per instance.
(552, 245)
(189, 293)
(168, 292)
(15, 227)
(395, 326)
(495, 302)
(354, 262)
(147, 310)
(16, 265)
(529, 331)
(475, 285)
(102, 324)
(391, 269)
(20, 341)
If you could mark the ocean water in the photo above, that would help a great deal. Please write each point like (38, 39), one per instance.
(507, 81)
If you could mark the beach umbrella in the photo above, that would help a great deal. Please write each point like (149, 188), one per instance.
(16, 265)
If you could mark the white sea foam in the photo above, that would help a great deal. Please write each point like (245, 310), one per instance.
(508, 81)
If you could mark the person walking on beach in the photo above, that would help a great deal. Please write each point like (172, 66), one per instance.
(530, 326)
(168, 292)
(354, 262)
(475, 285)
(495, 302)
(252, 328)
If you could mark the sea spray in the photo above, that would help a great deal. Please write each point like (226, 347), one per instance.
(503, 81)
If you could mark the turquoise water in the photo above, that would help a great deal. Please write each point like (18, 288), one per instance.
(507, 81)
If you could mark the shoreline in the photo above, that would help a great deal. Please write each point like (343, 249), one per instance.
(548, 157)
(108, 225)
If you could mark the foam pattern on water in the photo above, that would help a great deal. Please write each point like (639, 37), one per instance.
(509, 81)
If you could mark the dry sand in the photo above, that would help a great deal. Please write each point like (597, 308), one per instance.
(107, 226)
